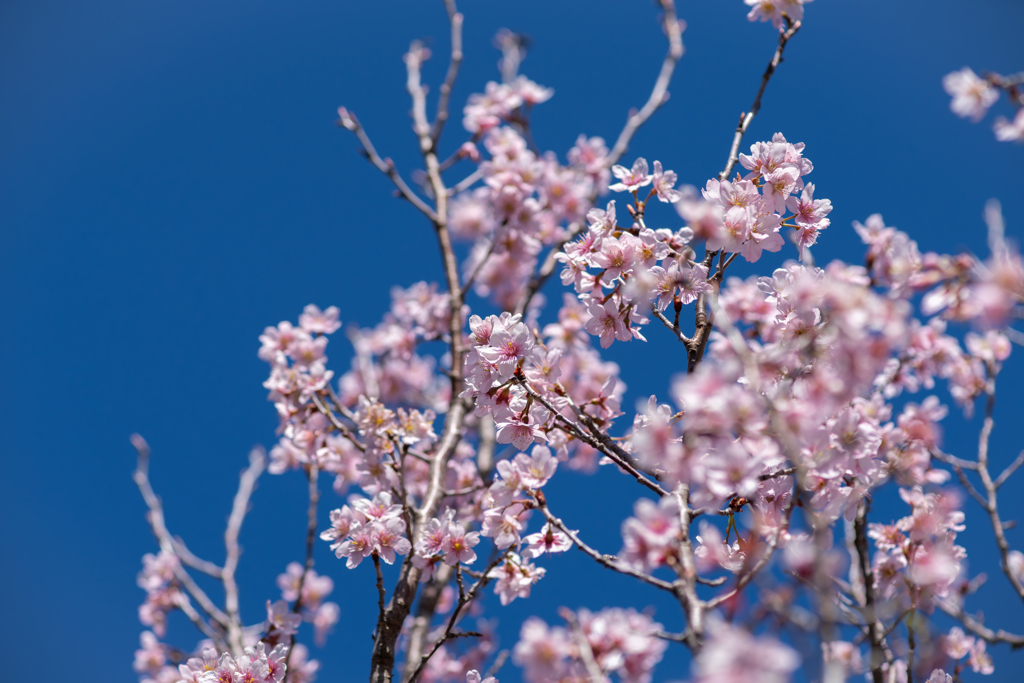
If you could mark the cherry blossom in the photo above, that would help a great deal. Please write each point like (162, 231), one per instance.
(972, 96)
(803, 397)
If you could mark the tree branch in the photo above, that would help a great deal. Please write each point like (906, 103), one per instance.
(747, 117)
(659, 94)
(246, 484)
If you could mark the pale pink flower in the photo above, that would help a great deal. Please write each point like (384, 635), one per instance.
(389, 539)
(631, 180)
(280, 618)
(1010, 131)
(151, 655)
(608, 323)
(536, 469)
(315, 321)
(507, 346)
(458, 546)
(732, 655)
(473, 676)
(712, 552)
(514, 578)
(542, 651)
(522, 428)
(957, 644)
(503, 525)
(664, 182)
(548, 540)
(979, 659)
(972, 96)
(432, 537)
(845, 654)
(325, 617)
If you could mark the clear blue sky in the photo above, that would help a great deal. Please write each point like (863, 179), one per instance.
(171, 181)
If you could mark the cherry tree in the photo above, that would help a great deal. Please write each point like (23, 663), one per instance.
(802, 395)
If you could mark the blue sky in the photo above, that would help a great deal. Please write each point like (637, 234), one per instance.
(172, 181)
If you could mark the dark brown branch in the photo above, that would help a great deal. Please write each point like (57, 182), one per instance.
(314, 498)
(870, 610)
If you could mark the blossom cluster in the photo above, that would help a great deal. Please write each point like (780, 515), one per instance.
(368, 527)
(782, 430)
(619, 641)
(307, 588)
(255, 665)
(527, 200)
(158, 579)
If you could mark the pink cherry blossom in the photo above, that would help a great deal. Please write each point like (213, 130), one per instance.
(631, 180)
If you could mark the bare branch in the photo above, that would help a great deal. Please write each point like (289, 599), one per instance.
(455, 20)
(382, 662)
(163, 536)
(466, 182)
(869, 604)
(336, 423)
(989, 486)
(979, 629)
(673, 327)
(685, 587)
(465, 597)
(659, 94)
(314, 497)
(747, 117)
(599, 440)
(420, 629)
(1010, 469)
(609, 561)
(349, 122)
(246, 484)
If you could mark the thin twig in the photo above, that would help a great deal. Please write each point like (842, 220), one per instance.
(465, 183)
(659, 94)
(979, 629)
(992, 504)
(1008, 472)
(455, 20)
(869, 605)
(465, 597)
(747, 117)
(197, 619)
(336, 423)
(314, 497)
(246, 484)
(349, 122)
(163, 536)
(600, 441)
(609, 561)
(673, 327)
(483, 261)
